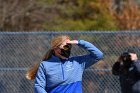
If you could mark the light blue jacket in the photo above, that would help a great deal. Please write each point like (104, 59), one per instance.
(65, 76)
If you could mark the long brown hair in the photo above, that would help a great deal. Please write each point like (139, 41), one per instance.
(56, 41)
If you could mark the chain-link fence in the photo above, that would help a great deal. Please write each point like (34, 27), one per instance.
(19, 50)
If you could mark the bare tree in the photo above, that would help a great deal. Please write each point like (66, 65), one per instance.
(20, 15)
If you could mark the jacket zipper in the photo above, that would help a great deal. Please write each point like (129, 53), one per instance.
(62, 71)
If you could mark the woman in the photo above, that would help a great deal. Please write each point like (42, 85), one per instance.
(59, 73)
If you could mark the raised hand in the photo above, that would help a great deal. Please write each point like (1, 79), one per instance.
(73, 42)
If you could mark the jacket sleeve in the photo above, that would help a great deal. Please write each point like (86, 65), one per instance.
(94, 54)
(137, 67)
(40, 80)
(116, 68)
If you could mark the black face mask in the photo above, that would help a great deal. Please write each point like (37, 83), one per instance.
(66, 50)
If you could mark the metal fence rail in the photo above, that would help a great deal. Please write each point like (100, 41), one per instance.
(19, 50)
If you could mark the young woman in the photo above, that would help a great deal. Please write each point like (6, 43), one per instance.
(59, 73)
